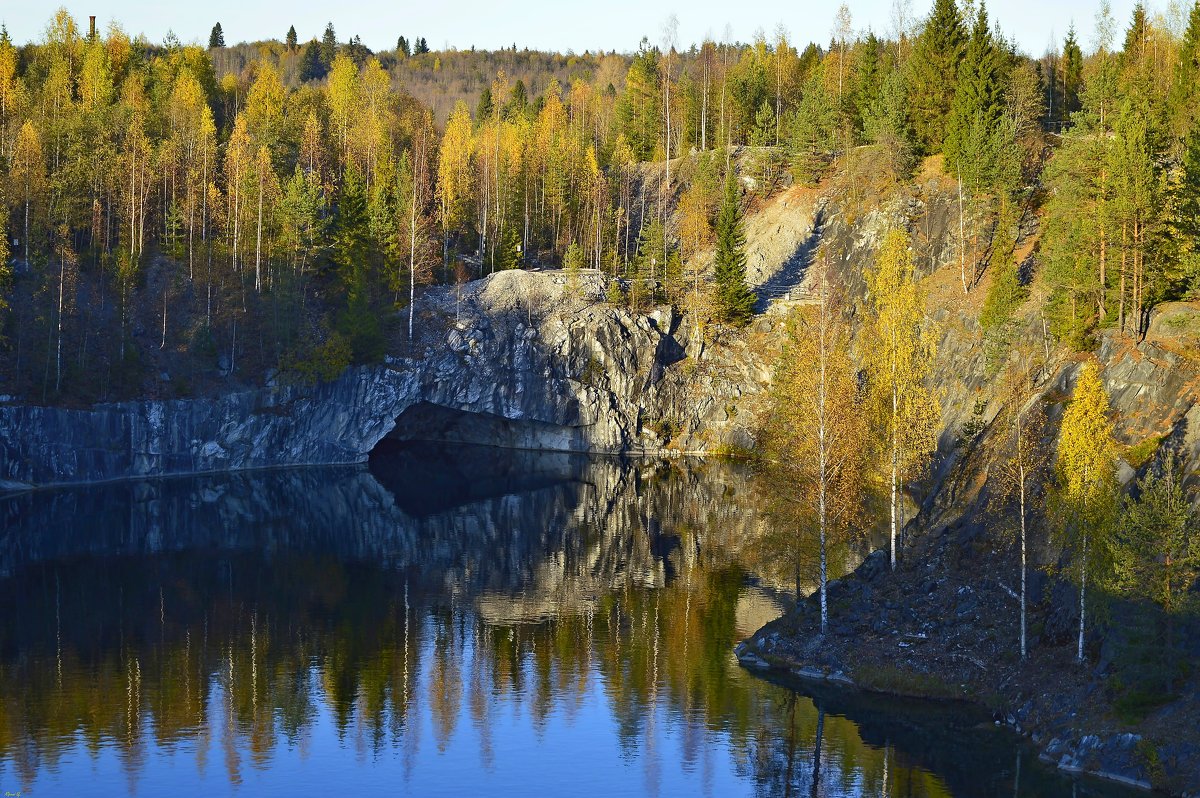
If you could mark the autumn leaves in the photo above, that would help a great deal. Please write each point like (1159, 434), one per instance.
(844, 409)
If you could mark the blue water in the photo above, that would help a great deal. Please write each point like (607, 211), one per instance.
(447, 622)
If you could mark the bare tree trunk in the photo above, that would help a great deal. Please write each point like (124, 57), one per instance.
(412, 259)
(62, 278)
(822, 465)
(1083, 569)
(258, 237)
(1021, 479)
(962, 250)
(1121, 292)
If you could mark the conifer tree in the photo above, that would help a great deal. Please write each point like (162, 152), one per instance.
(312, 66)
(329, 44)
(1184, 279)
(735, 300)
(977, 105)
(1072, 81)
(1004, 296)
(1158, 551)
(1184, 97)
(352, 250)
(932, 73)
(1086, 492)
(290, 40)
(403, 47)
(217, 37)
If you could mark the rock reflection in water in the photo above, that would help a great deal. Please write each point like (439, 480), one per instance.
(443, 623)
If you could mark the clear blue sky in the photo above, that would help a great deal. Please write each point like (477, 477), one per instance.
(542, 24)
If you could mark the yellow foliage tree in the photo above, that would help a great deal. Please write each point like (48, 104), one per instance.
(1086, 493)
(900, 347)
(27, 177)
(454, 175)
(817, 432)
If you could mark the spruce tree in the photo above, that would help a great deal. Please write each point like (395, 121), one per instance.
(978, 105)
(1182, 99)
(932, 73)
(403, 47)
(217, 37)
(1186, 220)
(311, 65)
(328, 44)
(1072, 66)
(1005, 295)
(290, 40)
(351, 247)
(484, 108)
(735, 300)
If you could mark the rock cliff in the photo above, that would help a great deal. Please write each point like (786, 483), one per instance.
(518, 359)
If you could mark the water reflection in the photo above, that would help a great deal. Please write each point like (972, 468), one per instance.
(445, 622)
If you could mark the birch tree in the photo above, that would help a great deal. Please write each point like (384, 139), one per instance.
(27, 176)
(1086, 493)
(900, 347)
(1026, 461)
(817, 429)
(454, 175)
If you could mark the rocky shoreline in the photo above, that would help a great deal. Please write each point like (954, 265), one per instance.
(917, 633)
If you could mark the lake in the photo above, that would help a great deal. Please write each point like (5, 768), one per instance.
(446, 621)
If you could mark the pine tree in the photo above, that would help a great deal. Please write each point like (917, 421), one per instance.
(290, 40)
(484, 108)
(735, 300)
(217, 37)
(1157, 556)
(932, 74)
(1086, 492)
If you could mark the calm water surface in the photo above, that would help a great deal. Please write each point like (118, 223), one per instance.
(448, 622)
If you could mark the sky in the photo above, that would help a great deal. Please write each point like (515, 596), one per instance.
(560, 25)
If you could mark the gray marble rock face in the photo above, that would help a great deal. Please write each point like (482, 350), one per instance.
(537, 365)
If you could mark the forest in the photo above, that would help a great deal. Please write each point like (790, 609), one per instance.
(272, 206)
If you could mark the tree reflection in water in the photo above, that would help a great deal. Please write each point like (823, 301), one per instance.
(446, 618)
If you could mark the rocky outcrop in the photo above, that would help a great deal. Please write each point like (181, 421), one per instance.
(518, 359)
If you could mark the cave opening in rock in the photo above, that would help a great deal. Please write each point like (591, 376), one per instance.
(426, 422)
